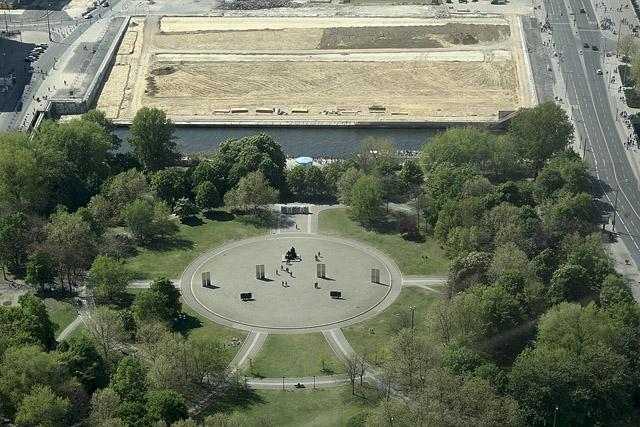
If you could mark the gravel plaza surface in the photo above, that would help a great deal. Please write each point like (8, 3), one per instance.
(299, 307)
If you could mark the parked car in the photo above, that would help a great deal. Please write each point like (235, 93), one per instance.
(88, 16)
(42, 45)
(599, 72)
(594, 47)
(586, 45)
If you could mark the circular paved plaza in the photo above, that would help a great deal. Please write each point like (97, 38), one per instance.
(297, 306)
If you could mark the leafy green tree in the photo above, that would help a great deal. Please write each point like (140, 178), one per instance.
(252, 193)
(168, 406)
(458, 213)
(502, 310)
(544, 264)
(314, 182)
(207, 196)
(22, 184)
(75, 245)
(81, 357)
(184, 208)
(168, 185)
(346, 183)
(366, 198)
(295, 181)
(214, 171)
(468, 270)
(614, 290)
(260, 153)
(109, 277)
(570, 283)
(411, 174)
(160, 302)
(100, 118)
(131, 413)
(13, 240)
(445, 183)
(542, 131)
(129, 380)
(22, 369)
(41, 407)
(138, 217)
(126, 187)
(627, 49)
(459, 359)
(28, 323)
(333, 172)
(152, 139)
(41, 327)
(104, 403)
(163, 224)
(40, 270)
(457, 147)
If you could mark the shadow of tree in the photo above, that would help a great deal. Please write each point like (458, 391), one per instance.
(192, 221)
(234, 399)
(169, 244)
(188, 323)
(218, 216)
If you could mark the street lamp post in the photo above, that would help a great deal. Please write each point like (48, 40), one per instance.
(413, 312)
(615, 205)
(555, 412)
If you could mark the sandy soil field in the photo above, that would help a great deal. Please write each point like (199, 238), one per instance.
(366, 69)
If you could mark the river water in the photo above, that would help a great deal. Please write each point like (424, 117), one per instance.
(335, 142)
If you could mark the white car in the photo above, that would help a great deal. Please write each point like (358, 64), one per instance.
(599, 72)
(88, 16)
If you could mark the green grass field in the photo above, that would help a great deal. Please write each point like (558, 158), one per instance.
(303, 407)
(359, 337)
(61, 313)
(295, 356)
(406, 254)
(169, 257)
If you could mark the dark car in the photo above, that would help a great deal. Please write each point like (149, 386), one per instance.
(586, 45)
(594, 47)
(582, 10)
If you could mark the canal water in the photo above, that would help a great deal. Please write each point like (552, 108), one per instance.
(335, 142)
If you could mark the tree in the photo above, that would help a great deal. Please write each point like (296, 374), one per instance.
(570, 283)
(366, 198)
(346, 183)
(372, 149)
(152, 139)
(168, 406)
(41, 327)
(126, 187)
(22, 368)
(75, 245)
(138, 217)
(22, 183)
(206, 357)
(160, 302)
(13, 241)
(109, 277)
(207, 196)
(81, 357)
(542, 131)
(163, 224)
(314, 183)
(411, 175)
(445, 183)
(129, 380)
(627, 48)
(106, 329)
(42, 408)
(104, 403)
(168, 185)
(100, 118)
(39, 269)
(184, 208)
(295, 181)
(252, 192)
(457, 147)
(237, 158)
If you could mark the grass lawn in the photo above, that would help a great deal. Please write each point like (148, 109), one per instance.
(197, 324)
(169, 257)
(80, 330)
(359, 337)
(303, 407)
(296, 356)
(406, 254)
(61, 313)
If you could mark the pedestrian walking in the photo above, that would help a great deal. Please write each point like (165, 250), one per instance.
(277, 273)
(286, 285)
(283, 283)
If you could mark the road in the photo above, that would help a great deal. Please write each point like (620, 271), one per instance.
(596, 123)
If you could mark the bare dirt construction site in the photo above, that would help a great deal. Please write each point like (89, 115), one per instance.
(318, 69)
